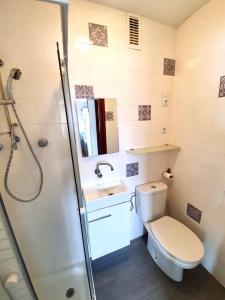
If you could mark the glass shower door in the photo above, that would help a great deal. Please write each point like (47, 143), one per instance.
(14, 280)
(71, 134)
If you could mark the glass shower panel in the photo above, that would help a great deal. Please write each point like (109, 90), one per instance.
(11, 267)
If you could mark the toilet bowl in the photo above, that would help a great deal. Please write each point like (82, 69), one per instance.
(172, 245)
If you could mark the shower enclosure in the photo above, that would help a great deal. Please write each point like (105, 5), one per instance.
(41, 206)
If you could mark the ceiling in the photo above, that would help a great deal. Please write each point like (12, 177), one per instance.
(170, 12)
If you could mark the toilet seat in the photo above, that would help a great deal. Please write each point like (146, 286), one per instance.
(177, 242)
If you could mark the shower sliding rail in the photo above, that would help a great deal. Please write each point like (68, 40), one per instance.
(2, 93)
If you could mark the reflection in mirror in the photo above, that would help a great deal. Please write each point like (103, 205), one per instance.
(98, 127)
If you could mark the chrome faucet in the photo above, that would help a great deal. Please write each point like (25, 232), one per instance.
(98, 171)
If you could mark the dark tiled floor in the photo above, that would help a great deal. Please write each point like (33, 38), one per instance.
(131, 274)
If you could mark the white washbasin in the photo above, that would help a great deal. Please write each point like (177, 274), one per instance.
(103, 195)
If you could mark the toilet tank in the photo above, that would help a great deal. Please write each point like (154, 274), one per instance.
(151, 201)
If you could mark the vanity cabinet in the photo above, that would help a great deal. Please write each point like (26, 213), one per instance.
(109, 229)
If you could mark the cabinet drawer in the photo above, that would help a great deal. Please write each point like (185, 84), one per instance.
(109, 229)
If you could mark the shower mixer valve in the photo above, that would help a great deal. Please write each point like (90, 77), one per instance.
(14, 138)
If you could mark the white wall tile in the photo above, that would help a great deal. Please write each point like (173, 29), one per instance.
(39, 20)
(9, 24)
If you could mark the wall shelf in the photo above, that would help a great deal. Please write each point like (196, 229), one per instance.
(152, 149)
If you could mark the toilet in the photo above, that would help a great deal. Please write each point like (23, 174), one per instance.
(172, 245)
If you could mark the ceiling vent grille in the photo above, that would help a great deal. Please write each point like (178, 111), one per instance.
(134, 36)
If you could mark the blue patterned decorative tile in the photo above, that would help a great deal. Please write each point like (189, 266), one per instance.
(132, 169)
(84, 91)
(169, 66)
(109, 116)
(194, 213)
(98, 35)
(222, 87)
(144, 112)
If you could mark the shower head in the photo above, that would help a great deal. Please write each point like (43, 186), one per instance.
(15, 74)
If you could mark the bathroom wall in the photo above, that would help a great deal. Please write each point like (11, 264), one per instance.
(198, 126)
(48, 229)
(134, 78)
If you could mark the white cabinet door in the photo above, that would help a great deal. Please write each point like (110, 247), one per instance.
(109, 229)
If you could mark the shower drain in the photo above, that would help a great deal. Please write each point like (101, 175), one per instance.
(70, 292)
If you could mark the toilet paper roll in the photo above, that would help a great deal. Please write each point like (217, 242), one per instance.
(11, 280)
(168, 176)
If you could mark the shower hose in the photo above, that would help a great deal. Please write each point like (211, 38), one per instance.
(10, 162)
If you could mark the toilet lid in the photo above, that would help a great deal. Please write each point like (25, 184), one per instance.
(178, 240)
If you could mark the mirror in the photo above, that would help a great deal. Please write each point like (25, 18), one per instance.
(98, 129)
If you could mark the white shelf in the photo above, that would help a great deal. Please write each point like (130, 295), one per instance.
(152, 149)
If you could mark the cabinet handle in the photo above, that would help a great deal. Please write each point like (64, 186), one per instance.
(100, 218)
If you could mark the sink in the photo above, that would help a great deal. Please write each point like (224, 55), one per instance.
(104, 190)
(104, 195)
(110, 189)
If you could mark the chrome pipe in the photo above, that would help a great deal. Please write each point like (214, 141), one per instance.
(61, 2)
